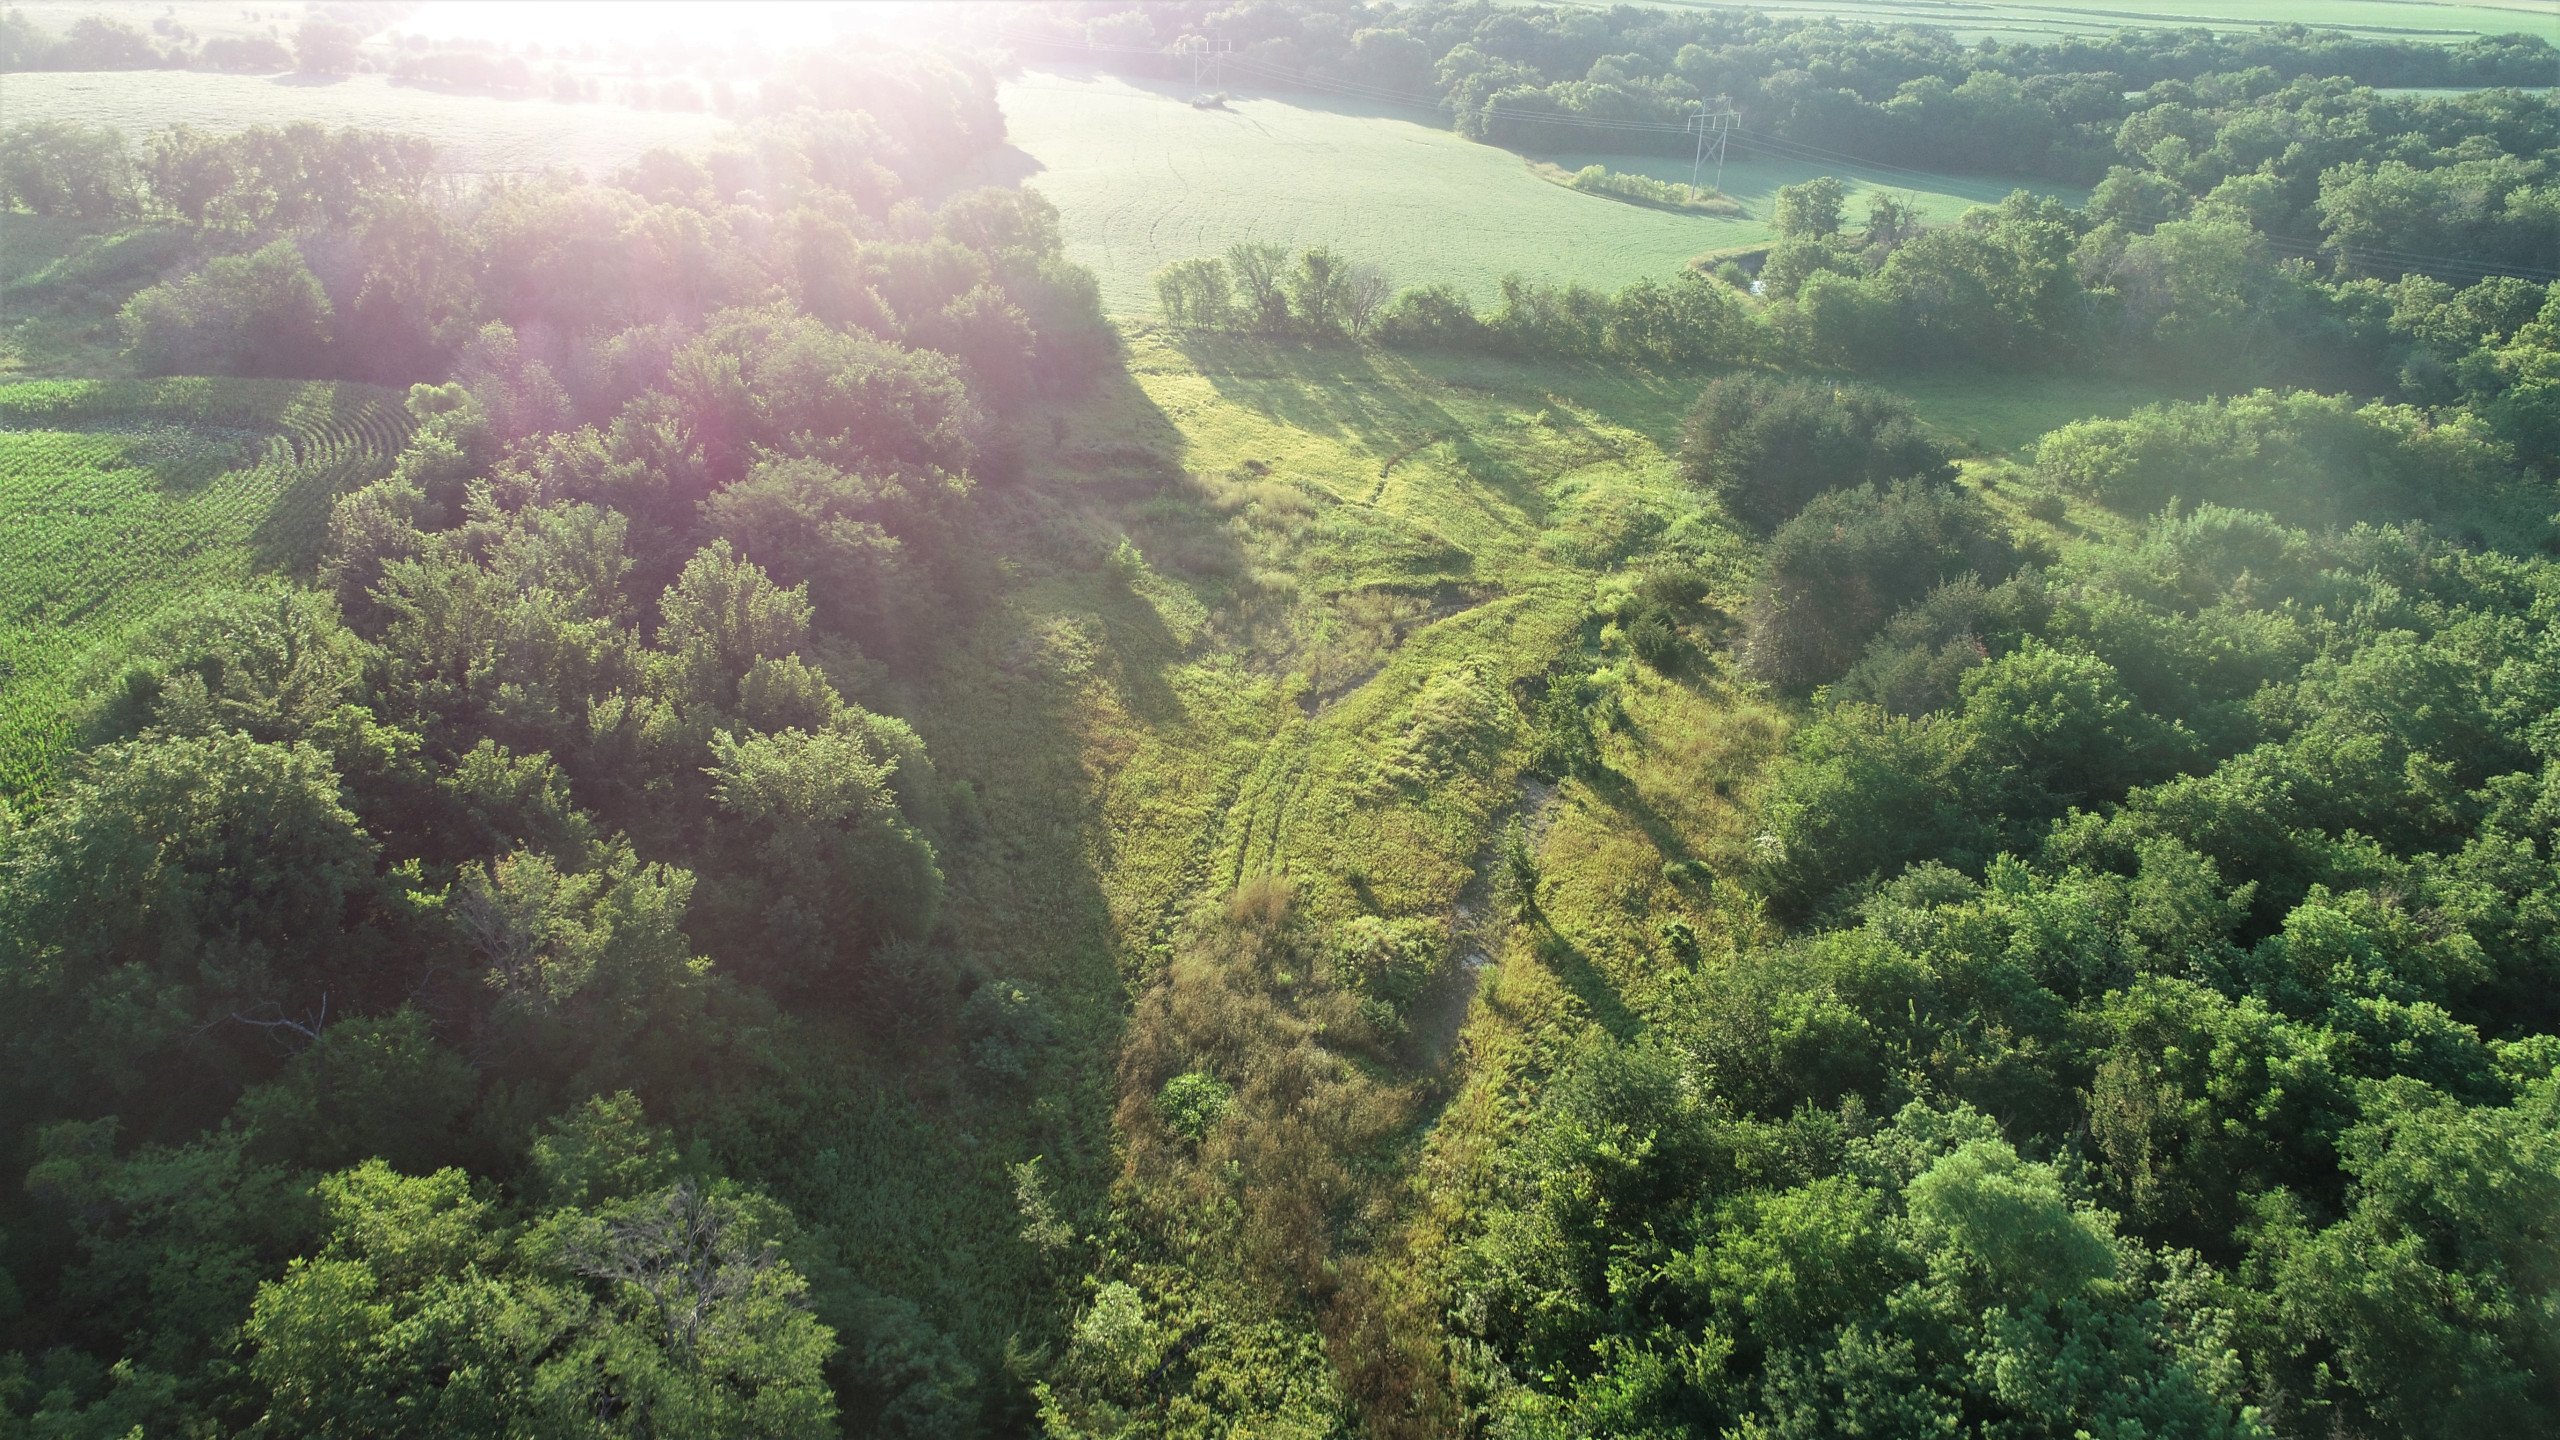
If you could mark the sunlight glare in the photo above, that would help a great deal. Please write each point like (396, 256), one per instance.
(717, 24)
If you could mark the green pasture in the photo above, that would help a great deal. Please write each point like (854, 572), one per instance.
(2044, 23)
(121, 498)
(474, 134)
(1142, 178)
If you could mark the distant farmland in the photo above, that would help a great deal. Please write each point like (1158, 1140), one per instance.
(2018, 20)
(1142, 178)
(476, 133)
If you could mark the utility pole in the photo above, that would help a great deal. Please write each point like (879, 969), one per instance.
(1715, 118)
(1208, 57)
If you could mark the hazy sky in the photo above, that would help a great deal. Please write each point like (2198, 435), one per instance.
(554, 23)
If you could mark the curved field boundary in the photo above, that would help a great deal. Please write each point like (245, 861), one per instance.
(121, 498)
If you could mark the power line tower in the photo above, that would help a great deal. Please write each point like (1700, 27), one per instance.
(1713, 118)
(1208, 57)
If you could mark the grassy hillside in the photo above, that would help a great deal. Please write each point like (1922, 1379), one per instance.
(1244, 577)
(473, 134)
(119, 499)
(63, 283)
(1142, 178)
(1248, 577)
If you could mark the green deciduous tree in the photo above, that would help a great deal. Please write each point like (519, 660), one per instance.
(1810, 210)
(1765, 446)
(258, 314)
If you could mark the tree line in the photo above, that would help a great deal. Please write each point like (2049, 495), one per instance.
(2028, 283)
(329, 43)
(1550, 79)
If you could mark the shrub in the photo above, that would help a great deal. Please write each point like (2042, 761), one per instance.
(1431, 317)
(1008, 1026)
(1861, 794)
(1195, 294)
(1193, 1101)
(1810, 210)
(1765, 444)
(1645, 190)
(1261, 274)
(2309, 457)
(258, 314)
(1852, 558)
(1392, 960)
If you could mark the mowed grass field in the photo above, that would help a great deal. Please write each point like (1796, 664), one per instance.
(2022, 20)
(120, 499)
(475, 134)
(1142, 178)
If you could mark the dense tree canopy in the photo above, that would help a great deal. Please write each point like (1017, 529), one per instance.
(1805, 925)
(379, 922)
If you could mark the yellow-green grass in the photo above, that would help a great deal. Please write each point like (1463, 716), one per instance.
(63, 284)
(1234, 572)
(2046, 22)
(1347, 526)
(2004, 413)
(120, 499)
(1142, 178)
(474, 134)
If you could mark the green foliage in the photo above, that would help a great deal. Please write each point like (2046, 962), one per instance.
(427, 1311)
(1194, 293)
(1009, 1026)
(2308, 458)
(260, 314)
(404, 882)
(1646, 190)
(1190, 1103)
(167, 1244)
(51, 168)
(837, 868)
(367, 1088)
(180, 882)
(1850, 559)
(1690, 321)
(1261, 279)
(1449, 724)
(1765, 446)
(1811, 210)
(2181, 895)
(878, 555)
(1864, 793)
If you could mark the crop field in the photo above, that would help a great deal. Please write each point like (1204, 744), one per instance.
(1142, 178)
(476, 134)
(2020, 20)
(120, 498)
